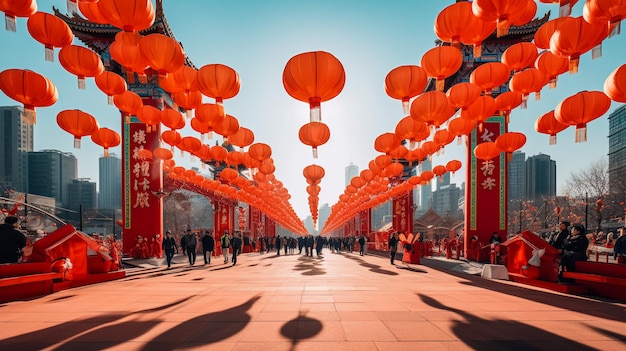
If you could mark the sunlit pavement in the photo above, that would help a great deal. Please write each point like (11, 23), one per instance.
(293, 302)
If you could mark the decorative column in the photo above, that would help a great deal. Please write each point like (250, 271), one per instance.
(485, 193)
(401, 212)
(142, 183)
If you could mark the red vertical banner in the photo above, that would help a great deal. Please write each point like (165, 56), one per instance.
(142, 180)
(223, 218)
(485, 193)
(402, 214)
(254, 222)
(365, 221)
(241, 218)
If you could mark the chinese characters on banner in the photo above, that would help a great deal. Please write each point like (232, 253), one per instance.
(241, 218)
(270, 227)
(224, 219)
(486, 193)
(365, 219)
(402, 214)
(142, 178)
(254, 220)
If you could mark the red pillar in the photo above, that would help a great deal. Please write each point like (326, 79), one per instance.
(485, 193)
(142, 181)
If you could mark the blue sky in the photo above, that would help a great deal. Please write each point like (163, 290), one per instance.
(257, 38)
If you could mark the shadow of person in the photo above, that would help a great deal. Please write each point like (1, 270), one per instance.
(300, 328)
(205, 329)
(499, 334)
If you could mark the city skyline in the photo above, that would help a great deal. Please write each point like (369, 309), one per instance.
(369, 39)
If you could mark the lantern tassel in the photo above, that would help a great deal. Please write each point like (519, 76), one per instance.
(478, 50)
(130, 76)
(143, 78)
(573, 65)
(209, 135)
(552, 139)
(109, 100)
(440, 83)
(538, 95)
(9, 23)
(406, 108)
(49, 54)
(314, 152)
(615, 28)
(29, 116)
(502, 28)
(581, 134)
(459, 140)
(188, 114)
(524, 103)
(565, 10)
(106, 152)
(81, 83)
(72, 6)
(202, 137)
(596, 52)
(552, 83)
(76, 142)
(192, 158)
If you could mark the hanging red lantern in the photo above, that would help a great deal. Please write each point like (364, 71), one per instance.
(461, 126)
(486, 151)
(150, 116)
(431, 107)
(548, 124)
(510, 142)
(172, 119)
(463, 94)
(504, 12)
(490, 76)
(128, 15)
(580, 109)
(162, 153)
(607, 12)
(106, 138)
(111, 84)
(386, 142)
(453, 165)
(475, 35)
(615, 84)
(260, 151)
(528, 81)
(29, 88)
(228, 127)
(314, 77)
(481, 110)
(506, 102)
(242, 138)
(163, 54)
(125, 51)
(544, 33)
(81, 62)
(313, 173)
(77, 123)
(565, 6)
(412, 130)
(439, 171)
(442, 62)
(210, 114)
(171, 137)
(128, 102)
(404, 83)
(519, 56)
(314, 134)
(575, 37)
(49, 30)
(552, 66)
(91, 11)
(454, 21)
(219, 82)
(187, 100)
(16, 8)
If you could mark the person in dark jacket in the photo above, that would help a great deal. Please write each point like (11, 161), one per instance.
(169, 247)
(361, 245)
(208, 245)
(237, 242)
(619, 250)
(574, 249)
(11, 241)
(191, 242)
(557, 240)
(393, 246)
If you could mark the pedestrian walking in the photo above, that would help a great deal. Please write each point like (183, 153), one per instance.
(393, 246)
(225, 244)
(236, 244)
(191, 243)
(208, 245)
(169, 247)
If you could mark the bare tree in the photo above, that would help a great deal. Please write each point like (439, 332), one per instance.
(592, 181)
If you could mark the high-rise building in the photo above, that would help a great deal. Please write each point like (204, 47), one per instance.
(16, 142)
(352, 171)
(308, 225)
(50, 173)
(517, 176)
(617, 150)
(81, 193)
(323, 214)
(445, 200)
(540, 177)
(110, 182)
(424, 192)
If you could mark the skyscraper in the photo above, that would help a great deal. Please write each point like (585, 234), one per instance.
(81, 192)
(352, 171)
(50, 173)
(617, 150)
(110, 182)
(425, 191)
(324, 212)
(540, 177)
(517, 176)
(17, 141)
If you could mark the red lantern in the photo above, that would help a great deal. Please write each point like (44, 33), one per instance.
(163, 54)
(260, 151)
(128, 15)
(528, 81)
(431, 107)
(412, 130)
(455, 21)
(442, 62)
(111, 84)
(481, 110)
(548, 124)
(125, 50)
(242, 138)
(228, 127)
(453, 166)
(29, 88)
(509, 142)
(486, 151)
(552, 66)
(575, 37)
(77, 123)
(150, 116)
(187, 100)
(461, 126)
(439, 171)
(490, 76)
(544, 33)
(404, 83)
(615, 84)
(313, 173)
(81, 62)
(565, 6)
(16, 8)
(51, 31)
(219, 82)
(607, 12)
(210, 114)
(477, 34)
(172, 119)
(580, 109)
(314, 134)
(171, 137)
(386, 142)
(199, 127)
(162, 153)
(463, 94)
(504, 12)
(519, 56)
(314, 77)
(506, 102)
(106, 138)
(91, 11)
(128, 102)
